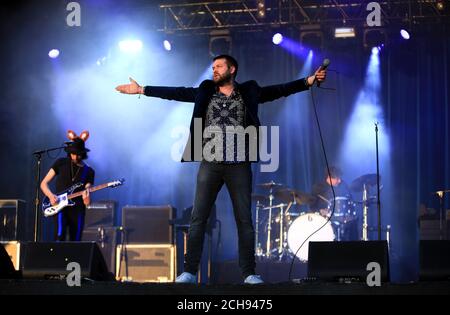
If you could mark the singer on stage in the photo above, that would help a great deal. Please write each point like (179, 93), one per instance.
(221, 103)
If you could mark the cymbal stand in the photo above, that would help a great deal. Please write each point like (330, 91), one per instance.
(276, 249)
(258, 249)
(365, 211)
(282, 249)
(269, 226)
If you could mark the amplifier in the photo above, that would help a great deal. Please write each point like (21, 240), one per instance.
(148, 224)
(12, 220)
(100, 213)
(146, 263)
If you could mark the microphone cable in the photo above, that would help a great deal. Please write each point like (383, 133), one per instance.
(329, 176)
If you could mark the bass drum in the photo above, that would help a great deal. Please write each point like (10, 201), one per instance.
(302, 228)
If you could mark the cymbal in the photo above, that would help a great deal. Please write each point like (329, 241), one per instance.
(368, 180)
(260, 198)
(269, 185)
(289, 195)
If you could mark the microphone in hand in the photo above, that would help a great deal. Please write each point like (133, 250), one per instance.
(324, 66)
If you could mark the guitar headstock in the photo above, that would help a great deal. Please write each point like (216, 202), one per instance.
(116, 183)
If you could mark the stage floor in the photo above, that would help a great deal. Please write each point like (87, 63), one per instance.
(59, 287)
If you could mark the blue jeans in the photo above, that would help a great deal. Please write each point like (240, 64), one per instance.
(210, 179)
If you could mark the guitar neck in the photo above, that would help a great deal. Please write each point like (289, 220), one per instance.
(90, 189)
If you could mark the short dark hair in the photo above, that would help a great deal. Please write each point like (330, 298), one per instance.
(335, 172)
(230, 62)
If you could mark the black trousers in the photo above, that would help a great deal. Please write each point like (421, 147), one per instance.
(210, 179)
(71, 219)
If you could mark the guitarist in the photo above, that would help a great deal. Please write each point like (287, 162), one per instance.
(69, 171)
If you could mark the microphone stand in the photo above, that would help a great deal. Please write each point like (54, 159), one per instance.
(378, 183)
(37, 201)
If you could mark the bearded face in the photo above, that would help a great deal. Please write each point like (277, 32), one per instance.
(221, 72)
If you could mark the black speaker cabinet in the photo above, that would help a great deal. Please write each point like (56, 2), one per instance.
(12, 220)
(13, 250)
(50, 260)
(335, 261)
(434, 260)
(106, 239)
(148, 224)
(6, 265)
(100, 214)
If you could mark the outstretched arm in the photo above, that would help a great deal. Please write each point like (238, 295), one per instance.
(273, 92)
(181, 94)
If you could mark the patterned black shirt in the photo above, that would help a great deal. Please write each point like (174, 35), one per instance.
(226, 111)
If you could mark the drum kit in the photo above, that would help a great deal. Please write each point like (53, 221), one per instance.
(284, 224)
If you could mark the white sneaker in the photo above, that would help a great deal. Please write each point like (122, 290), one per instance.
(253, 279)
(186, 277)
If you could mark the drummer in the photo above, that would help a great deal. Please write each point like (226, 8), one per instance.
(324, 198)
(324, 194)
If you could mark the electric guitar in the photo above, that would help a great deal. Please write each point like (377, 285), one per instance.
(64, 199)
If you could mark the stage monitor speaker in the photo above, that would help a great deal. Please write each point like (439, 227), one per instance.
(146, 263)
(148, 224)
(13, 250)
(434, 260)
(106, 239)
(347, 261)
(100, 214)
(6, 265)
(50, 260)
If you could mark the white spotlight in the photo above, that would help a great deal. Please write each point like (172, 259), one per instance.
(167, 45)
(130, 46)
(54, 53)
(277, 38)
(405, 34)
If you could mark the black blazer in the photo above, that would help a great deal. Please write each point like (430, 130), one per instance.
(252, 95)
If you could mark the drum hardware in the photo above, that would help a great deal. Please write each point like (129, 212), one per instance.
(386, 229)
(261, 200)
(278, 222)
(283, 250)
(365, 214)
(269, 228)
(363, 183)
(367, 180)
(270, 185)
(295, 196)
(258, 248)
